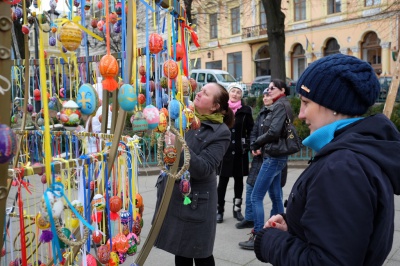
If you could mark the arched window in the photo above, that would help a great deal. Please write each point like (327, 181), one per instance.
(298, 61)
(332, 47)
(371, 51)
(262, 60)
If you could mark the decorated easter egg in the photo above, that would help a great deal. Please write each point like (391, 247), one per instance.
(141, 98)
(142, 70)
(171, 69)
(127, 98)
(113, 17)
(121, 243)
(164, 82)
(114, 259)
(94, 22)
(115, 204)
(193, 84)
(67, 233)
(87, 99)
(152, 115)
(91, 261)
(70, 36)
(156, 43)
(178, 51)
(174, 109)
(41, 222)
(122, 257)
(195, 123)
(98, 202)
(169, 155)
(8, 143)
(103, 254)
(70, 110)
(182, 84)
(109, 68)
(125, 217)
(133, 241)
(97, 237)
(181, 122)
(139, 123)
(162, 124)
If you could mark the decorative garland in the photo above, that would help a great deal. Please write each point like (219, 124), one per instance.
(186, 151)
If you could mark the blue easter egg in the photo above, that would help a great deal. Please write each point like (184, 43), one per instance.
(174, 109)
(179, 123)
(127, 98)
(87, 99)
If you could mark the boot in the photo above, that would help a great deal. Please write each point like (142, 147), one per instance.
(237, 210)
(220, 214)
(245, 224)
(249, 244)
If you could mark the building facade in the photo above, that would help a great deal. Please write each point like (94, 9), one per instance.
(233, 34)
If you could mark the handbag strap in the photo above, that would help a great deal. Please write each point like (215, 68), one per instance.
(287, 115)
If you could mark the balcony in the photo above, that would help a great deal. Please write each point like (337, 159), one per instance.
(255, 33)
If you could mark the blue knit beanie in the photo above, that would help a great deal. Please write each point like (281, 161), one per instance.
(342, 83)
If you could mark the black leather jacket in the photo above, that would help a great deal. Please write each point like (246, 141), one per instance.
(273, 124)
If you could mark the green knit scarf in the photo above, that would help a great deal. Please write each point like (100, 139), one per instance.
(216, 118)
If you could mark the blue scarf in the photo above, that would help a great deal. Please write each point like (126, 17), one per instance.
(322, 136)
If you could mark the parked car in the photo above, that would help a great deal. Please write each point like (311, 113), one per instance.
(385, 82)
(204, 76)
(261, 82)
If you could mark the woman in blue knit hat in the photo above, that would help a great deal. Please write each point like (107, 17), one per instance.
(341, 209)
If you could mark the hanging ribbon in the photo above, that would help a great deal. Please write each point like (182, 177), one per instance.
(76, 20)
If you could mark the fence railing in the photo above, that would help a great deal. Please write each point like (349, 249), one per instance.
(150, 153)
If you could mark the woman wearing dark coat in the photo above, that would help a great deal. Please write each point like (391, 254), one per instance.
(341, 209)
(188, 231)
(236, 159)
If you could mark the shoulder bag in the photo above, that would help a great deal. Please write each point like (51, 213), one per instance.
(288, 143)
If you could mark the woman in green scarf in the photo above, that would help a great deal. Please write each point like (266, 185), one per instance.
(188, 231)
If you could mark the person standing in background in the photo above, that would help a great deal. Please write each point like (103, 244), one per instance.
(236, 159)
(341, 209)
(269, 177)
(248, 221)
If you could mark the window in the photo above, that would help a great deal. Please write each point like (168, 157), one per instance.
(214, 65)
(235, 64)
(332, 47)
(263, 17)
(235, 20)
(334, 6)
(372, 2)
(195, 63)
(211, 78)
(299, 10)
(299, 61)
(213, 26)
(371, 51)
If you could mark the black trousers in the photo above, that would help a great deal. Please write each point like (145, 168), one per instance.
(223, 184)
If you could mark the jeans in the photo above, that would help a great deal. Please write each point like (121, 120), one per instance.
(268, 180)
(248, 214)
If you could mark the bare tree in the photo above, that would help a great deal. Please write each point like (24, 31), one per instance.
(276, 37)
(188, 8)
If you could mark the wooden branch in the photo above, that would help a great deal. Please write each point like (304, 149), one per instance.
(392, 93)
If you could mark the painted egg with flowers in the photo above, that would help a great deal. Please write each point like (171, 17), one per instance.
(156, 43)
(152, 116)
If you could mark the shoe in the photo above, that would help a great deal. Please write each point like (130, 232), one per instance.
(220, 217)
(245, 224)
(237, 210)
(249, 244)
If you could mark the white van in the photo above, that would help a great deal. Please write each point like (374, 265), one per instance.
(204, 76)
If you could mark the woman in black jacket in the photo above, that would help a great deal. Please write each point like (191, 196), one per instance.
(269, 176)
(236, 159)
(341, 209)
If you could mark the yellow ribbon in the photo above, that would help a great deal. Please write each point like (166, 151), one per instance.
(76, 20)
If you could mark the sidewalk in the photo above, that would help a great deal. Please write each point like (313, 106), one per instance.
(226, 249)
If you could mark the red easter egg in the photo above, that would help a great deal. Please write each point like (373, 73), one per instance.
(115, 204)
(94, 22)
(171, 69)
(141, 98)
(99, 5)
(113, 18)
(193, 84)
(142, 70)
(180, 52)
(156, 43)
(97, 237)
(103, 253)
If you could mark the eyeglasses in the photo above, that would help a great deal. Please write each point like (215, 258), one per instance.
(272, 88)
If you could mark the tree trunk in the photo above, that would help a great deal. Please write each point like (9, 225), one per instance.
(276, 37)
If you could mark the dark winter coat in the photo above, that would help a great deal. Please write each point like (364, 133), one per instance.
(341, 209)
(257, 131)
(189, 230)
(273, 124)
(236, 159)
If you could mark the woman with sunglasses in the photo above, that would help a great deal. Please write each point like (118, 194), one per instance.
(269, 176)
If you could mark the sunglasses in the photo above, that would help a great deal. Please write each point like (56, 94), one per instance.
(272, 88)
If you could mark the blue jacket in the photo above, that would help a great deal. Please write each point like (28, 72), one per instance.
(341, 209)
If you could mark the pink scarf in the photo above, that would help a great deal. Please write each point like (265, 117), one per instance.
(235, 106)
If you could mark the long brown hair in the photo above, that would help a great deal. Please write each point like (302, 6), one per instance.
(222, 99)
